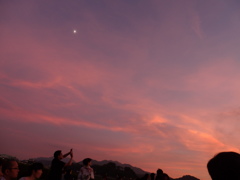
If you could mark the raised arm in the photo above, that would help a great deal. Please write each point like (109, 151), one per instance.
(69, 163)
(65, 155)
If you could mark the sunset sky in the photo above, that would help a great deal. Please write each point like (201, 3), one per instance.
(154, 84)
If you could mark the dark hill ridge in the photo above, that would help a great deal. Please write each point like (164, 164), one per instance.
(137, 170)
(187, 177)
(47, 162)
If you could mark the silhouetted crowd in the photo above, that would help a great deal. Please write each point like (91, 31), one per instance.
(58, 170)
(158, 176)
(223, 166)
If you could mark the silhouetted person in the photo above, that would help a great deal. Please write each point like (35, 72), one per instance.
(104, 177)
(225, 166)
(152, 176)
(159, 175)
(165, 176)
(86, 172)
(35, 172)
(57, 165)
(10, 170)
(119, 178)
(1, 174)
(145, 177)
(68, 174)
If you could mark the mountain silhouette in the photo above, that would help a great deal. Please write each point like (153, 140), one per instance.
(46, 161)
(187, 177)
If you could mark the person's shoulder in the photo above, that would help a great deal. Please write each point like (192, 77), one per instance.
(55, 159)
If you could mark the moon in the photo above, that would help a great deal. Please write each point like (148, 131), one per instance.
(74, 31)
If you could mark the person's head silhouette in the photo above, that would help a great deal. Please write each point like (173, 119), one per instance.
(10, 169)
(225, 166)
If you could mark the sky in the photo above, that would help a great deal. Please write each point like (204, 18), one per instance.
(154, 84)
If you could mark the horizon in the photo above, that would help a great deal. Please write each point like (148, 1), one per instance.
(108, 160)
(65, 159)
(149, 83)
